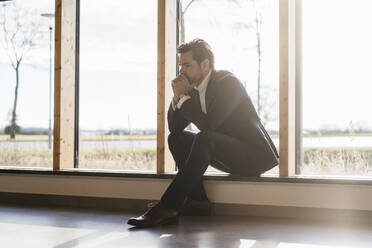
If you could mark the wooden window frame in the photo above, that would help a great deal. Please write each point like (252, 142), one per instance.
(290, 99)
(287, 88)
(64, 83)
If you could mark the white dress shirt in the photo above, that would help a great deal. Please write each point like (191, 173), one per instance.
(202, 89)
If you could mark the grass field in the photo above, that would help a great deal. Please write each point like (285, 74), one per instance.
(333, 161)
(317, 161)
(23, 137)
(322, 160)
(140, 159)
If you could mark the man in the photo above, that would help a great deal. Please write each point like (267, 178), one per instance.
(231, 136)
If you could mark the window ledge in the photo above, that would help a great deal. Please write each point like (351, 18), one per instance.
(342, 180)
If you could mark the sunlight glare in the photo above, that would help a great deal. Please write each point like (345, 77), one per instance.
(246, 243)
(298, 245)
(166, 235)
(100, 240)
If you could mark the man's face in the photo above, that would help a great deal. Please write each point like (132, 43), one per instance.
(190, 68)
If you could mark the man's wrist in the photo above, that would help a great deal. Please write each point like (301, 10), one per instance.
(176, 99)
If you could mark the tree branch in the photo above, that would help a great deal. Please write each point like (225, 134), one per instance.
(187, 6)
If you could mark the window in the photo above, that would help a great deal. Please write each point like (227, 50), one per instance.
(118, 67)
(244, 37)
(26, 83)
(118, 80)
(336, 79)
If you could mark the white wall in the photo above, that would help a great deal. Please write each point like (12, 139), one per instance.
(355, 197)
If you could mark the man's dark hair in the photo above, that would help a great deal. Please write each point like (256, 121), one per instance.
(200, 49)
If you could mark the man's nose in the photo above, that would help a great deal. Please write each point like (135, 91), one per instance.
(182, 70)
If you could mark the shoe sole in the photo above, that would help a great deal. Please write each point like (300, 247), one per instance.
(170, 221)
(196, 212)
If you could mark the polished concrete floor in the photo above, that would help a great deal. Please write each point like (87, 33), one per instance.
(26, 227)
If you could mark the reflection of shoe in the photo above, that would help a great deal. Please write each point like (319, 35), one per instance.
(196, 208)
(155, 216)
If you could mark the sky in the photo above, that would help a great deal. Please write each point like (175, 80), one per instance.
(337, 52)
(118, 61)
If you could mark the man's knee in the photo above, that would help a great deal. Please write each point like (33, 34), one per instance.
(172, 140)
(203, 137)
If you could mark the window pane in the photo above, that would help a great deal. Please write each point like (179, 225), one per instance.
(243, 35)
(118, 84)
(337, 123)
(26, 81)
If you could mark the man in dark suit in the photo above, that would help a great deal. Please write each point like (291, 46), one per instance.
(231, 136)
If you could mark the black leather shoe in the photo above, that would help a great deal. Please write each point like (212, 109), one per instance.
(156, 216)
(196, 208)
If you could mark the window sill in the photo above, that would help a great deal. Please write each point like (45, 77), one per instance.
(208, 176)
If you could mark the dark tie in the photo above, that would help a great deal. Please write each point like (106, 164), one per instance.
(195, 96)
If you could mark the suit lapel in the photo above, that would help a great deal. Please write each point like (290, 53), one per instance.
(209, 95)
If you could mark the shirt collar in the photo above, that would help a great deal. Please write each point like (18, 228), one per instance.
(203, 85)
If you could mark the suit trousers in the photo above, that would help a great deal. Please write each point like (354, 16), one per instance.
(193, 152)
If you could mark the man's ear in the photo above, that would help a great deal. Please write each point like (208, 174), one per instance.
(205, 65)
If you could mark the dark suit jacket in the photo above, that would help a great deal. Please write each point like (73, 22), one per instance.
(229, 111)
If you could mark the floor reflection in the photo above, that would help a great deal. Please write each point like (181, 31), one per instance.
(83, 228)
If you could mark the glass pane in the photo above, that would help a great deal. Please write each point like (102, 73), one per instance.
(26, 81)
(118, 85)
(243, 35)
(337, 50)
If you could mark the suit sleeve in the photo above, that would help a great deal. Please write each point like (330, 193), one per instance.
(191, 110)
(176, 122)
(225, 99)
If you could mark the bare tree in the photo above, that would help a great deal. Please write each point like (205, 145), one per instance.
(257, 26)
(264, 106)
(19, 31)
(269, 105)
(181, 22)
